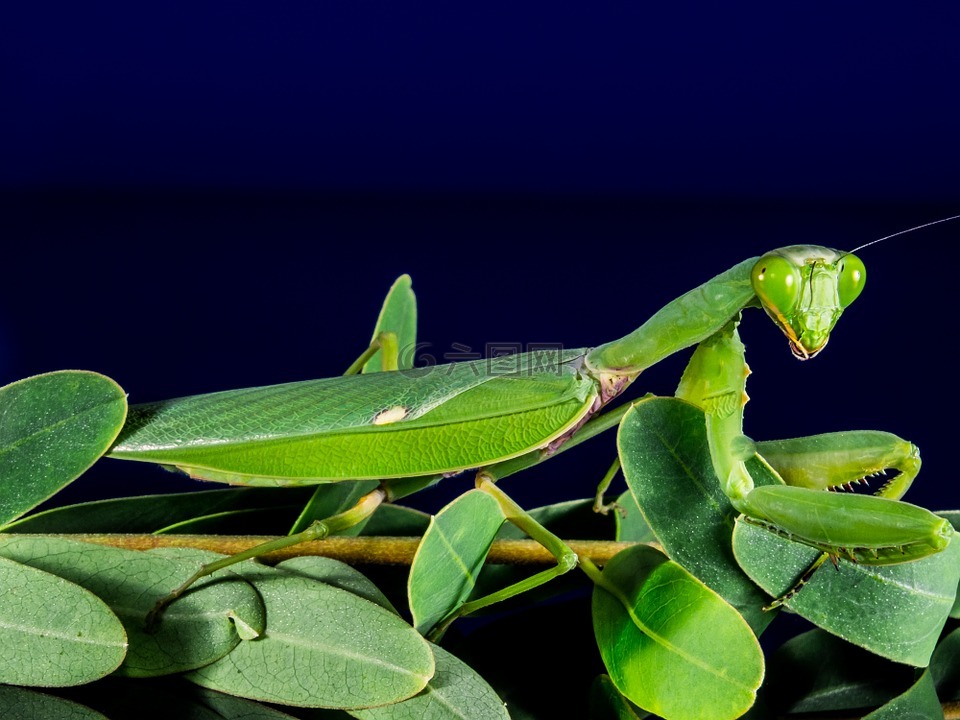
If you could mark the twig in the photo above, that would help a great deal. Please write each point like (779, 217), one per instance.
(353, 550)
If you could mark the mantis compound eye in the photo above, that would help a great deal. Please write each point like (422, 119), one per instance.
(851, 276)
(776, 281)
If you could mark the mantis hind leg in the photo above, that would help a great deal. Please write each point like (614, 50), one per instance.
(318, 530)
(566, 558)
(599, 505)
(387, 345)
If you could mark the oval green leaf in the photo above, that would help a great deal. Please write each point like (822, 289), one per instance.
(607, 703)
(399, 316)
(631, 525)
(671, 644)
(197, 629)
(450, 556)
(54, 427)
(31, 705)
(816, 672)
(54, 633)
(895, 611)
(919, 702)
(455, 692)
(228, 707)
(332, 498)
(172, 512)
(666, 462)
(945, 667)
(323, 647)
(338, 574)
(391, 519)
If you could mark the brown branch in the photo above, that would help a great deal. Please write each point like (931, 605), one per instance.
(353, 550)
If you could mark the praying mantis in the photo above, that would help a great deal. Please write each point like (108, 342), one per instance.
(409, 427)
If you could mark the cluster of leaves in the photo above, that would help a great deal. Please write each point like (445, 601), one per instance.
(670, 627)
(677, 634)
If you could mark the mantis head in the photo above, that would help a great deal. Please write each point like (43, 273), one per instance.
(804, 289)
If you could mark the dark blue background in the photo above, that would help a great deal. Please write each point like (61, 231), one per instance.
(200, 197)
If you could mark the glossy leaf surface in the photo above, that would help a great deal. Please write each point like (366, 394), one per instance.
(323, 647)
(52, 428)
(671, 645)
(54, 633)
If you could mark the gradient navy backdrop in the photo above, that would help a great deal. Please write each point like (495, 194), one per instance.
(200, 197)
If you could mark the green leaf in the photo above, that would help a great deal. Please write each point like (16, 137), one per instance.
(399, 316)
(171, 512)
(667, 465)
(670, 644)
(228, 707)
(920, 702)
(607, 703)
(53, 428)
(396, 520)
(816, 672)
(195, 630)
(54, 633)
(895, 611)
(323, 647)
(31, 705)
(172, 697)
(945, 666)
(450, 556)
(455, 692)
(332, 498)
(631, 525)
(337, 574)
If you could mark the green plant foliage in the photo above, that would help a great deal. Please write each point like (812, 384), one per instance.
(32, 705)
(199, 628)
(920, 702)
(331, 499)
(323, 647)
(226, 707)
(666, 462)
(54, 427)
(450, 556)
(945, 666)
(631, 525)
(337, 574)
(608, 703)
(455, 692)
(172, 512)
(669, 626)
(54, 633)
(670, 644)
(819, 672)
(399, 316)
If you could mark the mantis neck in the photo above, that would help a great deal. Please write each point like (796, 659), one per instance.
(686, 321)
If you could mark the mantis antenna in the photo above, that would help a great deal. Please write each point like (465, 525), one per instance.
(902, 232)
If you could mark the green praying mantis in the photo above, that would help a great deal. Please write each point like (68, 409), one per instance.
(410, 427)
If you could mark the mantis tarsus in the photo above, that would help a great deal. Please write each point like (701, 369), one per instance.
(410, 427)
